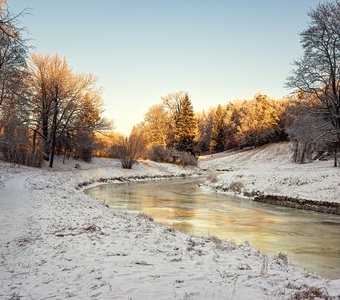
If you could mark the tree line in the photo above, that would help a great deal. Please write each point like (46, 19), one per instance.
(172, 124)
(310, 117)
(46, 108)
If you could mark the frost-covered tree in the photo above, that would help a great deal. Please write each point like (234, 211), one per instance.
(232, 121)
(85, 124)
(131, 148)
(305, 125)
(258, 120)
(317, 73)
(173, 105)
(204, 128)
(157, 122)
(66, 107)
(218, 131)
(13, 90)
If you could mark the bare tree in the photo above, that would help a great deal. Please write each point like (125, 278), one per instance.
(64, 104)
(13, 56)
(157, 125)
(317, 73)
(173, 101)
(302, 133)
(130, 148)
(173, 104)
(13, 90)
(9, 23)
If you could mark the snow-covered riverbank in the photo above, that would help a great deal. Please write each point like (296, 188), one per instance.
(56, 242)
(268, 170)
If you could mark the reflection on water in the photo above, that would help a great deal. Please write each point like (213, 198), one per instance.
(310, 239)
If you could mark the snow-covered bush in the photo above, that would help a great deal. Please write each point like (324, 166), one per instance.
(171, 155)
(212, 177)
(236, 187)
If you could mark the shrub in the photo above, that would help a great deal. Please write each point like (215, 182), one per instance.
(236, 187)
(130, 149)
(158, 154)
(171, 155)
(212, 177)
(187, 159)
(22, 157)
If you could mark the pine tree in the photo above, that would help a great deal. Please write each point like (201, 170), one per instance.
(186, 127)
(204, 128)
(218, 131)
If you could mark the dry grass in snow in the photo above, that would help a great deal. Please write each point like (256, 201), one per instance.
(269, 170)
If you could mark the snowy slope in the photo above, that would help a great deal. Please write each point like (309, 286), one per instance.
(269, 170)
(56, 242)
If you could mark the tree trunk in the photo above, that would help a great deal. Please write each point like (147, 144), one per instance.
(46, 144)
(337, 154)
(53, 133)
(303, 154)
(337, 130)
(335, 157)
(338, 163)
(65, 152)
(296, 152)
(34, 141)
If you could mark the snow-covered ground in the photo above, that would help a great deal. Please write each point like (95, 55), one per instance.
(56, 242)
(269, 170)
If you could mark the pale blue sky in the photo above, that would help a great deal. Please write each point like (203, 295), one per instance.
(143, 49)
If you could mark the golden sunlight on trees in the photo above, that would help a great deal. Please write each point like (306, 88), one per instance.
(173, 105)
(232, 120)
(186, 127)
(243, 123)
(218, 131)
(130, 149)
(157, 122)
(258, 121)
(170, 129)
(173, 126)
(204, 129)
(105, 140)
(66, 107)
(47, 109)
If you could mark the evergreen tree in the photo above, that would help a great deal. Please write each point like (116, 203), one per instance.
(186, 127)
(204, 128)
(218, 131)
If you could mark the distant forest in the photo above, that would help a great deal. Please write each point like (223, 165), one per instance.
(47, 109)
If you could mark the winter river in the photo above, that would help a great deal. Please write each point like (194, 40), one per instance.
(311, 240)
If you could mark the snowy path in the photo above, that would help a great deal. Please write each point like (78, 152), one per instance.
(18, 206)
(19, 209)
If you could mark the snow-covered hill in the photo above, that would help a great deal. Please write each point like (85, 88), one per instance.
(269, 170)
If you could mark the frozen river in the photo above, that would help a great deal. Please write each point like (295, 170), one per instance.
(310, 239)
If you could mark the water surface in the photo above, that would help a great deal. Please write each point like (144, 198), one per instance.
(310, 239)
